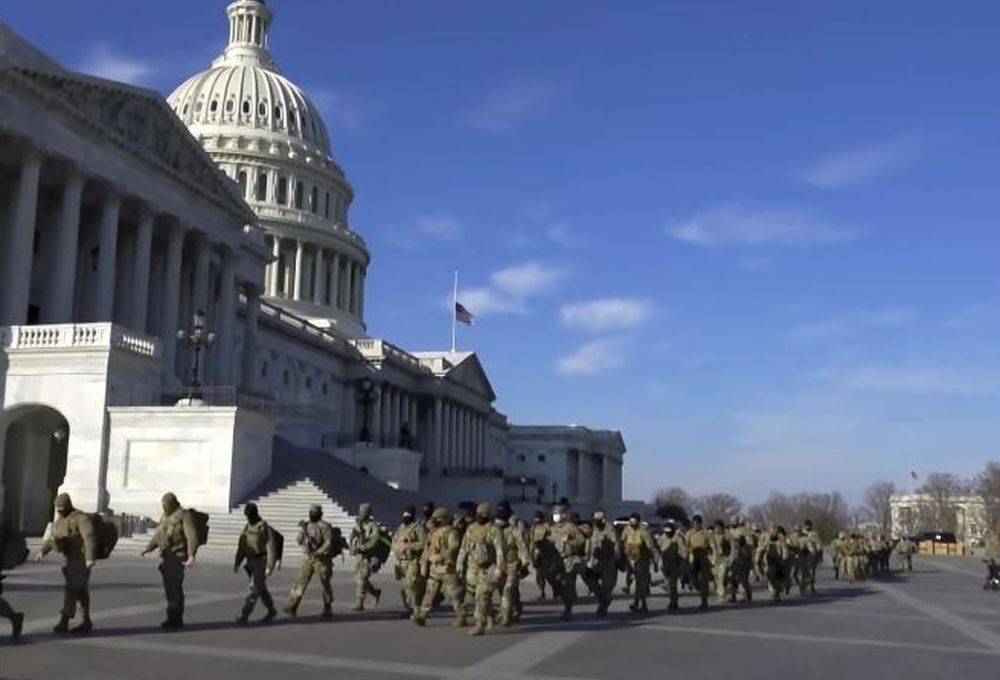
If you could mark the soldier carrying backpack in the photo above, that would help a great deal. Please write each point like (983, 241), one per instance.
(179, 535)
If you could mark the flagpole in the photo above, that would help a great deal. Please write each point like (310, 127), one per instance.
(454, 306)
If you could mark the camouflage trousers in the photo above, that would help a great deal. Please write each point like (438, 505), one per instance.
(172, 573)
(546, 573)
(510, 594)
(6, 610)
(572, 568)
(77, 587)
(603, 578)
(480, 585)
(720, 576)
(701, 574)
(363, 579)
(446, 582)
(256, 569)
(739, 579)
(777, 575)
(412, 583)
(671, 579)
(323, 568)
(804, 574)
(641, 577)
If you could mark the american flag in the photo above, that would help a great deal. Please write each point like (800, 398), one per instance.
(913, 475)
(463, 315)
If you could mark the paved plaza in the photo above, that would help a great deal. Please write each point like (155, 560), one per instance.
(935, 623)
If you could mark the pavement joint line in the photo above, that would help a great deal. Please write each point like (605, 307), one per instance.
(971, 629)
(521, 657)
(309, 660)
(813, 639)
(951, 567)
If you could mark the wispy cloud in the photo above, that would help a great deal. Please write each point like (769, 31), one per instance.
(439, 227)
(344, 110)
(852, 325)
(104, 61)
(740, 226)
(510, 289)
(593, 358)
(864, 163)
(606, 314)
(908, 380)
(513, 104)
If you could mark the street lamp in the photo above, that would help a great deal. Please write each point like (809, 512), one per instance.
(367, 400)
(197, 339)
(524, 483)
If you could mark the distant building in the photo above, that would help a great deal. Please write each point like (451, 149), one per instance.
(963, 515)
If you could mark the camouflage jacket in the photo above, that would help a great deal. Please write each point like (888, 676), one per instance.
(73, 536)
(175, 535)
(408, 542)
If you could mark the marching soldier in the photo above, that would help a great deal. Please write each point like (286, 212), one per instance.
(699, 556)
(602, 553)
(438, 564)
(481, 561)
(673, 558)
(544, 557)
(407, 547)
(257, 551)
(176, 538)
(740, 566)
(719, 542)
(364, 540)
(641, 552)
(73, 535)
(570, 543)
(904, 553)
(316, 539)
(774, 558)
(516, 560)
(6, 611)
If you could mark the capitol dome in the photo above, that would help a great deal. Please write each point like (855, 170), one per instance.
(267, 135)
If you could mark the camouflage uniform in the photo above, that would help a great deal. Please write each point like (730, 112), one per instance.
(773, 553)
(719, 544)
(517, 559)
(673, 558)
(641, 552)
(73, 536)
(904, 553)
(482, 560)
(364, 539)
(176, 538)
(257, 550)
(740, 565)
(6, 611)
(603, 552)
(407, 547)
(699, 549)
(316, 539)
(544, 557)
(438, 566)
(570, 543)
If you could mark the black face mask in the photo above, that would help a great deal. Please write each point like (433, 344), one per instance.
(483, 520)
(599, 524)
(315, 517)
(407, 519)
(252, 517)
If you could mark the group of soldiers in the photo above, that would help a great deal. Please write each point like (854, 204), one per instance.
(475, 561)
(857, 556)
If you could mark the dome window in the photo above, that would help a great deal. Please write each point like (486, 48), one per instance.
(326, 208)
(229, 106)
(214, 106)
(298, 195)
(262, 109)
(197, 107)
(277, 113)
(314, 203)
(185, 109)
(246, 106)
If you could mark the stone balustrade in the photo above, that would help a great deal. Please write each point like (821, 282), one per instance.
(79, 336)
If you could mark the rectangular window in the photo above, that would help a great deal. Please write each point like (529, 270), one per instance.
(261, 187)
(326, 210)
(241, 178)
(282, 191)
(298, 195)
(315, 200)
(541, 458)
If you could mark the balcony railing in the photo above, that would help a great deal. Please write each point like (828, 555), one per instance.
(74, 336)
(380, 350)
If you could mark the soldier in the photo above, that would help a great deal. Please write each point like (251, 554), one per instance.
(719, 543)
(740, 565)
(673, 557)
(427, 510)
(176, 538)
(544, 557)
(641, 552)
(813, 546)
(481, 561)
(774, 558)
(438, 567)
(257, 550)
(316, 539)
(516, 559)
(6, 611)
(364, 541)
(602, 554)
(73, 535)
(904, 553)
(837, 546)
(699, 557)
(407, 547)
(570, 544)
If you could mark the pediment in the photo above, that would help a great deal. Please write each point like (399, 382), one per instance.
(470, 373)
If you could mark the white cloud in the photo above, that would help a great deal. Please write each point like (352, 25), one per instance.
(439, 227)
(528, 279)
(736, 225)
(856, 324)
(513, 104)
(863, 163)
(510, 289)
(343, 110)
(104, 61)
(606, 314)
(593, 358)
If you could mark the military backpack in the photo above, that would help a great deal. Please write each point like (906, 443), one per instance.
(380, 553)
(200, 520)
(279, 545)
(106, 535)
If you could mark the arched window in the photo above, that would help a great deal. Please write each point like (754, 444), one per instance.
(229, 106)
(246, 106)
(262, 109)
(326, 209)
(277, 113)
(214, 106)
(261, 194)
(298, 195)
(282, 191)
(315, 200)
(241, 178)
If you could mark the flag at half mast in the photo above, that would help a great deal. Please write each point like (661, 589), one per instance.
(463, 315)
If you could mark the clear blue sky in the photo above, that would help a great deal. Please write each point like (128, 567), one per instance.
(759, 238)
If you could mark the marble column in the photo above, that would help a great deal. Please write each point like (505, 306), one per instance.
(446, 438)
(355, 285)
(202, 271)
(361, 293)
(15, 280)
(59, 295)
(275, 271)
(171, 297)
(298, 278)
(335, 282)
(376, 416)
(104, 290)
(394, 417)
(437, 439)
(140, 271)
(248, 365)
(225, 321)
(319, 277)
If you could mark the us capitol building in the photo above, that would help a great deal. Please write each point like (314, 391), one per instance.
(132, 228)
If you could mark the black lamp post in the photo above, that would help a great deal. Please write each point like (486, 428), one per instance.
(197, 339)
(524, 484)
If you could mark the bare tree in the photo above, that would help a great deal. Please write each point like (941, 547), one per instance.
(942, 488)
(672, 503)
(827, 511)
(988, 487)
(717, 506)
(878, 504)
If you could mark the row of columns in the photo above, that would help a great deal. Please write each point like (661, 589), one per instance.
(395, 407)
(58, 294)
(330, 279)
(460, 435)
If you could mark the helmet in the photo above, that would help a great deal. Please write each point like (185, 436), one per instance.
(484, 510)
(439, 514)
(365, 510)
(169, 502)
(64, 503)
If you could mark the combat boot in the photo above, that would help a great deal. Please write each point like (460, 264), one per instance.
(460, 621)
(479, 629)
(359, 606)
(327, 610)
(271, 615)
(16, 624)
(85, 627)
(293, 608)
(419, 616)
(377, 595)
(62, 627)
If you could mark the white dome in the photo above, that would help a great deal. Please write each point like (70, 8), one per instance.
(244, 88)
